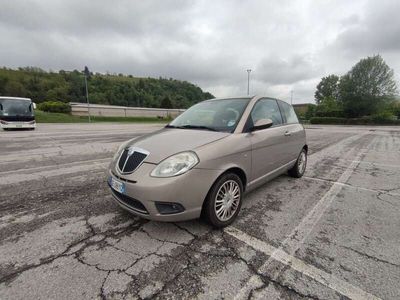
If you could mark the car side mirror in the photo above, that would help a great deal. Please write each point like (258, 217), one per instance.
(262, 124)
(34, 105)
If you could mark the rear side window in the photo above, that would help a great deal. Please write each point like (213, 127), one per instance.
(266, 109)
(288, 113)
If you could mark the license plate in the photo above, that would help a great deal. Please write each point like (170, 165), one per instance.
(19, 126)
(117, 185)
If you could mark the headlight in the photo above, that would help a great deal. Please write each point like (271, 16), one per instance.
(176, 165)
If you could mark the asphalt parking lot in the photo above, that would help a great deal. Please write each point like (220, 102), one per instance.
(333, 234)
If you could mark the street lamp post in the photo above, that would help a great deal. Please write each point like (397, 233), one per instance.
(87, 97)
(291, 97)
(248, 81)
(86, 73)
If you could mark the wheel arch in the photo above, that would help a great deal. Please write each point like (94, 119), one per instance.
(234, 169)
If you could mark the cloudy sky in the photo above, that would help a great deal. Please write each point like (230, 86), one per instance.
(288, 45)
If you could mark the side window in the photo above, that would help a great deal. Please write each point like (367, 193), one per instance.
(266, 109)
(288, 113)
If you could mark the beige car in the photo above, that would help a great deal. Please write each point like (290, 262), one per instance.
(203, 162)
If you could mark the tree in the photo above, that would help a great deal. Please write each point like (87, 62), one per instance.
(69, 86)
(3, 83)
(367, 87)
(166, 102)
(14, 89)
(86, 72)
(310, 112)
(328, 87)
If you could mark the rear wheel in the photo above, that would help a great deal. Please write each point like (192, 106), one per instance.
(300, 166)
(224, 200)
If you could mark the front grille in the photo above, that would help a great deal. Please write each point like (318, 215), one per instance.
(130, 202)
(134, 161)
(17, 118)
(129, 163)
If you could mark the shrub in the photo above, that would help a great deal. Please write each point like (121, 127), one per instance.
(311, 108)
(383, 117)
(55, 107)
(330, 114)
(327, 120)
(367, 120)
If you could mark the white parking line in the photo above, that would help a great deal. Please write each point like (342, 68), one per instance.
(318, 275)
(18, 177)
(299, 234)
(57, 166)
(373, 163)
(351, 186)
(296, 238)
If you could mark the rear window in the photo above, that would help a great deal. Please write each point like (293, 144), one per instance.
(288, 113)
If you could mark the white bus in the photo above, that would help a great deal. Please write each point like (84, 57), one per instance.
(17, 113)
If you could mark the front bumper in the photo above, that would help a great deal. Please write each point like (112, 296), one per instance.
(17, 125)
(188, 190)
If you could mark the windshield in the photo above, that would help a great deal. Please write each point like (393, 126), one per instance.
(13, 107)
(217, 115)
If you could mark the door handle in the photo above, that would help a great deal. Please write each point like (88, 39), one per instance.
(287, 133)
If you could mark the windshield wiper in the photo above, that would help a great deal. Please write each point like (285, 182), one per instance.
(201, 127)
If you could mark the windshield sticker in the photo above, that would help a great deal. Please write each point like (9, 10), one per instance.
(231, 123)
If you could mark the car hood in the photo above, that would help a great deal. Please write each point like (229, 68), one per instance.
(166, 142)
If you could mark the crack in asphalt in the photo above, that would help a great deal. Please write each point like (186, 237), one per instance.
(187, 266)
(371, 256)
(65, 253)
(102, 294)
(379, 196)
(266, 280)
(290, 289)
(44, 261)
(160, 240)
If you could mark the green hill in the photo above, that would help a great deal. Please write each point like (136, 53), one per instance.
(120, 89)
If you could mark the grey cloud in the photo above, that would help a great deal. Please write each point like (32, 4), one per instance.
(274, 70)
(80, 18)
(289, 45)
(377, 32)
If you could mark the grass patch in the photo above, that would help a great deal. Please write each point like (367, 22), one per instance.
(46, 117)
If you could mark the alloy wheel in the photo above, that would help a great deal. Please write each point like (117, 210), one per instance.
(227, 200)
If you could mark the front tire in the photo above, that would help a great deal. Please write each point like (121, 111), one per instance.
(300, 166)
(224, 200)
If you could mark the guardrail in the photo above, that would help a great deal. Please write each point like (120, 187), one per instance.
(82, 109)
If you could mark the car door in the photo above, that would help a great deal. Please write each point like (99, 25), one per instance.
(293, 130)
(268, 144)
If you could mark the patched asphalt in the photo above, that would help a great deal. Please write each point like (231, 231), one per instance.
(333, 234)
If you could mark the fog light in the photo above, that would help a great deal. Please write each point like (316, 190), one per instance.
(167, 208)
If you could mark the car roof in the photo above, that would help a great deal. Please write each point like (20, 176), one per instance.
(15, 98)
(255, 97)
(229, 98)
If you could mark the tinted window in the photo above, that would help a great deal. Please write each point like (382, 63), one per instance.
(288, 112)
(266, 109)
